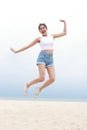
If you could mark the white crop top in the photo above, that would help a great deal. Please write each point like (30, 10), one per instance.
(46, 42)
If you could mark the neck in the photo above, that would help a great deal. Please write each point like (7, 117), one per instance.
(44, 34)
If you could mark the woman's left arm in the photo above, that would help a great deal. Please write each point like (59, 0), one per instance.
(64, 30)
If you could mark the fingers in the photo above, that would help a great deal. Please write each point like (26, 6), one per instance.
(12, 50)
(61, 20)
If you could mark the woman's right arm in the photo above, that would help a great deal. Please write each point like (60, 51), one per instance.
(62, 33)
(37, 40)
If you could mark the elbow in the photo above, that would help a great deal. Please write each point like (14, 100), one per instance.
(65, 32)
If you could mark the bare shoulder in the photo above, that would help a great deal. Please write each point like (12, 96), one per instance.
(37, 39)
(53, 35)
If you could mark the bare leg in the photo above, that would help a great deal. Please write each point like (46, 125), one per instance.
(41, 69)
(51, 73)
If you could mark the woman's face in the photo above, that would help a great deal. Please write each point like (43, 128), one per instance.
(43, 29)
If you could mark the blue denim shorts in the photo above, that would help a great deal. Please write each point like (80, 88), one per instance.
(45, 58)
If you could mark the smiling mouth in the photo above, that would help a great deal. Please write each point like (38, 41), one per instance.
(43, 31)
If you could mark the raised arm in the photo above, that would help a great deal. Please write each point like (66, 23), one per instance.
(26, 46)
(64, 30)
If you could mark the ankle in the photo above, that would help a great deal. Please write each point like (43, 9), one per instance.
(27, 85)
(40, 88)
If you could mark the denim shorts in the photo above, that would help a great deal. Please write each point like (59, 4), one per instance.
(45, 58)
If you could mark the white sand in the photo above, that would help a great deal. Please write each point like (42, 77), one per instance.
(42, 115)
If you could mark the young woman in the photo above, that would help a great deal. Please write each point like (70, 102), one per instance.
(45, 57)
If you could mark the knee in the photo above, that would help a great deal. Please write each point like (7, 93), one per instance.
(41, 79)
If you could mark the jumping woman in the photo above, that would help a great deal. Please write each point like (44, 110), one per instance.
(45, 57)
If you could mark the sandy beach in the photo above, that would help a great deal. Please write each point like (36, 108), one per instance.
(42, 115)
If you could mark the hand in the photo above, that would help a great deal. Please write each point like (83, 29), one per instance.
(13, 50)
(62, 20)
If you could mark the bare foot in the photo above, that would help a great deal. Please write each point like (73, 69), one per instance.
(25, 89)
(37, 91)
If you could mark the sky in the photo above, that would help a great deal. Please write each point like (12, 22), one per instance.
(19, 20)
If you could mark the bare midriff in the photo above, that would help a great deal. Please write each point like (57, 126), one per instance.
(49, 51)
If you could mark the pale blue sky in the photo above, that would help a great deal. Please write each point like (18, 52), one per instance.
(19, 21)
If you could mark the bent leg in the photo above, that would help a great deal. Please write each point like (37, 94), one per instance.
(41, 70)
(51, 73)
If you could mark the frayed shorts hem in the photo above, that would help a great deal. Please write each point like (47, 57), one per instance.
(44, 64)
